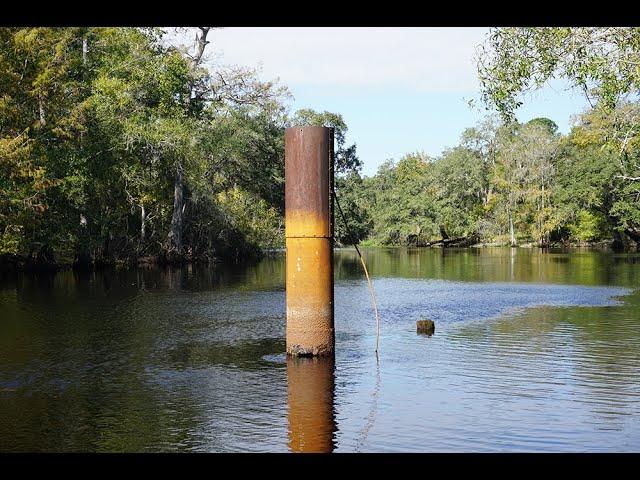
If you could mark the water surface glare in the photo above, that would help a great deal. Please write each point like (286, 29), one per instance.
(533, 351)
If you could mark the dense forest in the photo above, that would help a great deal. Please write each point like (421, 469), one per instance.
(118, 146)
(506, 184)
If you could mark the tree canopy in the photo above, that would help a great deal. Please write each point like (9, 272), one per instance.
(117, 145)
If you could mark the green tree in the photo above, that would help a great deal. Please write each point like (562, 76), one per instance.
(597, 173)
(42, 111)
(345, 156)
(600, 61)
(117, 144)
(459, 188)
(402, 208)
(354, 206)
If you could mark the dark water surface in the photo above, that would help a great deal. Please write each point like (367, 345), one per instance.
(532, 352)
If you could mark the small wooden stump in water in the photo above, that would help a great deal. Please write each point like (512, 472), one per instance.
(426, 326)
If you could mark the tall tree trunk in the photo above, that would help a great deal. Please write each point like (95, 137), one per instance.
(43, 120)
(85, 49)
(143, 222)
(512, 236)
(175, 232)
(543, 236)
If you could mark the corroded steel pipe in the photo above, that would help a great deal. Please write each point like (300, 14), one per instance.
(310, 389)
(309, 240)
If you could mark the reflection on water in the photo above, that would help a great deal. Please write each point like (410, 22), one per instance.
(532, 352)
(310, 383)
(372, 412)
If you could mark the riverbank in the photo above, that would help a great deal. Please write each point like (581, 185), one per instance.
(47, 263)
(15, 263)
(596, 245)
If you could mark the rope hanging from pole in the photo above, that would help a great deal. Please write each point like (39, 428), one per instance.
(364, 267)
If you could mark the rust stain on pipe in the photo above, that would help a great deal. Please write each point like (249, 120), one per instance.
(310, 387)
(309, 240)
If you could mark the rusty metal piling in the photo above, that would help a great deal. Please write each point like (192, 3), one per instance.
(309, 240)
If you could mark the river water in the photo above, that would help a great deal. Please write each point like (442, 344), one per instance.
(533, 351)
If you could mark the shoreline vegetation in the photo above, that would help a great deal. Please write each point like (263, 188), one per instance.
(13, 264)
(119, 147)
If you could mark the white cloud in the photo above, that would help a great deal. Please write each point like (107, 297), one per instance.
(421, 59)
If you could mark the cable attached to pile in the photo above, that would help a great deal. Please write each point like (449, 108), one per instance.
(364, 266)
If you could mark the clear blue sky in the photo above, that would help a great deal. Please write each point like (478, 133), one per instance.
(399, 89)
